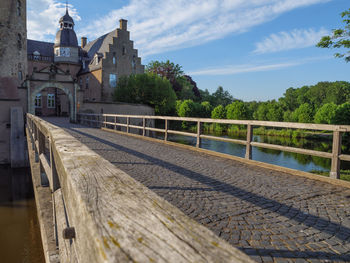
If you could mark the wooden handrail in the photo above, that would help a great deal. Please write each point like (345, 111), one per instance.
(337, 130)
(101, 214)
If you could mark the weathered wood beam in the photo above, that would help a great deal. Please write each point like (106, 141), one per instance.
(117, 219)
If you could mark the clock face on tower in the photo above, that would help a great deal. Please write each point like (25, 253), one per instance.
(62, 52)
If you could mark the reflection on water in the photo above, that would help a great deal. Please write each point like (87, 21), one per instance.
(286, 159)
(20, 239)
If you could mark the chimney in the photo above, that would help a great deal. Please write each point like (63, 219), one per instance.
(83, 42)
(123, 24)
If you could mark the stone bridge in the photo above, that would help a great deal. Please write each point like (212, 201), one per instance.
(271, 214)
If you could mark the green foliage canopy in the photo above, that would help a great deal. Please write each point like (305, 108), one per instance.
(237, 110)
(326, 113)
(148, 89)
(340, 38)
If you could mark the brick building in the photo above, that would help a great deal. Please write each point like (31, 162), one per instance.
(58, 79)
(77, 74)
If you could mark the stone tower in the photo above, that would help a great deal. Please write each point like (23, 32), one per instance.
(13, 45)
(13, 71)
(66, 44)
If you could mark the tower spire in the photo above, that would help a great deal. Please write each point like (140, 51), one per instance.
(67, 6)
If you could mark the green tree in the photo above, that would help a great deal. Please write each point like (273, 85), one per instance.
(342, 114)
(148, 89)
(206, 109)
(340, 38)
(237, 110)
(303, 114)
(326, 113)
(221, 97)
(219, 112)
(261, 113)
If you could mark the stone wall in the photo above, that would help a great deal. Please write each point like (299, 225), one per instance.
(13, 44)
(5, 128)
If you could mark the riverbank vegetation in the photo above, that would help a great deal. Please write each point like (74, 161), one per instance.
(165, 87)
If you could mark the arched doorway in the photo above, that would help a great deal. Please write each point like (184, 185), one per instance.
(70, 95)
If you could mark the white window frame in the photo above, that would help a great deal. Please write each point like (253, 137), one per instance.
(51, 103)
(38, 101)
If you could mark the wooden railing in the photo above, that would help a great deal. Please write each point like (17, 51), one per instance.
(105, 120)
(101, 214)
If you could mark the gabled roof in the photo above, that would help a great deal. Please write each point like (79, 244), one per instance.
(44, 48)
(101, 44)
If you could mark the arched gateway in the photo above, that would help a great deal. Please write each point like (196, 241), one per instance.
(69, 91)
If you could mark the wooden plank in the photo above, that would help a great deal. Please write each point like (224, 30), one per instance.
(154, 129)
(336, 151)
(166, 130)
(47, 169)
(44, 208)
(344, 157)
(199, 130)
(135, 126)
(292, 149)
(66, 246)
(182, 133)
(293, 125)
(216, 138)
(248, 151)
(117, 219)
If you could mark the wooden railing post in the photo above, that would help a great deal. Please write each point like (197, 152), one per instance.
(105, 120)
(127, 124)
(144, 126)
(166, 130)
(41, 150)
(248, 151)
(336, 151)
(36, 136)
(115, 122)
(198, 144)
(54, 175)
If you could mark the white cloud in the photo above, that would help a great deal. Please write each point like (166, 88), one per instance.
(245, 68)
(298, 38)
(43, 17)
(159, 26)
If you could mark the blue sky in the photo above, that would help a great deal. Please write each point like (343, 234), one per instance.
(255, 49)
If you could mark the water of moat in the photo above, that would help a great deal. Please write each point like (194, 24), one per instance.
(20, 239)
(286, 159)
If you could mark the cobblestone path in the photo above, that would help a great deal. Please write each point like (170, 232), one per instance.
(272, 216)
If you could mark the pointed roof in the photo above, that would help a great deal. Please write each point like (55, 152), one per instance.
(67, 17)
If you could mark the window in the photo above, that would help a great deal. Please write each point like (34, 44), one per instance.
(81, 82)
(36, 55)
(19, 41)
(83, 64)
(96, 60)
(19, 8)
(124, 50)
(51, 100)
(87, 83)
(114, 58)
(113, 80)
(133, 62)
(20, 76)
(37, 102)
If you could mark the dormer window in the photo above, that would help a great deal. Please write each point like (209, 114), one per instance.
(124, 50)
(36, 55)
(65, 25)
